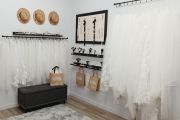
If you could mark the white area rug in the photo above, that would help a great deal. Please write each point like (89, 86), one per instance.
(59, 112)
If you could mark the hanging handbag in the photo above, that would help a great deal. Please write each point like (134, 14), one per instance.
(94, 82)
(56, 78)
(80, 77)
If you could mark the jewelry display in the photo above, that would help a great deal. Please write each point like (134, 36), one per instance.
(83, 51)
(94, 52)
(73, 48)
(80, 49)
(101, 63)
(78, 60)
(90, 50)
(102, 50)
(87, 62)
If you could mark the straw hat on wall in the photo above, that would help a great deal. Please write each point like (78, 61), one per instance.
(23, 15)
(39, 17)
(53, 18)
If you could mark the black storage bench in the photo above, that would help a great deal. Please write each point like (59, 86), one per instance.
(38, 96)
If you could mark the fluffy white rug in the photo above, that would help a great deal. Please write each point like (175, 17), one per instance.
(59, 112)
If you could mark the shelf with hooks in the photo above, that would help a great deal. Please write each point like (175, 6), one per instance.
(131, 2)
(94, 67)
(88, 55)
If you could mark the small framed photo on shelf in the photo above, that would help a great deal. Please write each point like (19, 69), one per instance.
(91, 28)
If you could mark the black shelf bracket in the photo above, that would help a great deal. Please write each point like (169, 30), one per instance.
(88, 55)
(87, 66)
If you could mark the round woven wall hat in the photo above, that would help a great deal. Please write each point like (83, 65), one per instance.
(53, 18)
(23, 15)
(39, 17)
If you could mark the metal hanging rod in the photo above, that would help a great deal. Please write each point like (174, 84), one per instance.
(130, 2)
(28, 35)
(37, 34)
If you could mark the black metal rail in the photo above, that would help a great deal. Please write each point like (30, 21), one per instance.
(34, 37)
(88, 55)
(27, 35)
(87, 66)
(130, 2)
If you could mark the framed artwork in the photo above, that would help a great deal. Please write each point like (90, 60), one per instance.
(91, 28)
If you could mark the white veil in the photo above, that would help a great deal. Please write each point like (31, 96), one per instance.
(26, 60)
(141, 60)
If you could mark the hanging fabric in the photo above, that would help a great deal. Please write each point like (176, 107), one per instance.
(24, 61)
(142, 61)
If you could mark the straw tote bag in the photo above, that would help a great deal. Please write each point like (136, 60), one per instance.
(80, 77)
(94, 82)
(56, 79)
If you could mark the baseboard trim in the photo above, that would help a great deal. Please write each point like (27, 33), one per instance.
(8, 106)
(89, 101)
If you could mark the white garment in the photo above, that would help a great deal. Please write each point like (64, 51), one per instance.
(141, 60)
(25, 60)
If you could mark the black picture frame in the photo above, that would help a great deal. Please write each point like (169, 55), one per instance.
(93, 40)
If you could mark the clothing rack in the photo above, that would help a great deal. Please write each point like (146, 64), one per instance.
(131, 2)
(28, 35)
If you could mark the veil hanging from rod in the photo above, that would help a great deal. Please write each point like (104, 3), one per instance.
(25, 60)
(142, 61)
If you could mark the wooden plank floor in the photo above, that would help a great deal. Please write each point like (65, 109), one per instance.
(76, 104)
(90, 110)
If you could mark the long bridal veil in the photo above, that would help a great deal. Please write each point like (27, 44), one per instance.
(26, 60)
(142, 61)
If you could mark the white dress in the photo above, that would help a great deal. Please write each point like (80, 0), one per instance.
(141, 61)
(26, 60)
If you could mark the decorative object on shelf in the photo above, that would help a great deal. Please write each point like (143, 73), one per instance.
(39, 17)
(32, 35)
(101, 64)
(94, 82)
(73, 49)
(87, 63)
(90, 50)
(83, 51)
(23, 15)
(56, 77)
(94, 52)
(78, 60)
(102, 51)
(80, 77)
(53, 18)
(80, 49)
(91, 28)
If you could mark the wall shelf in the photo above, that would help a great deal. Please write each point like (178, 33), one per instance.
(88, 55)
(27, 35)
(87, 66)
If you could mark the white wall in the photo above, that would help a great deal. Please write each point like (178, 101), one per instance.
(68, 10)
(100, 99)
(9, 23)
